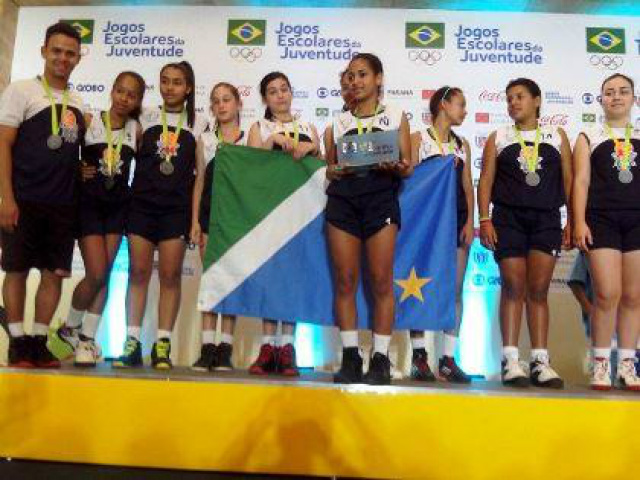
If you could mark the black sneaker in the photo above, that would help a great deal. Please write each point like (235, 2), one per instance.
(223, 360)
(161, 354)
(132, 355)
(207, 360)
(42, 357)
(451, 372)
(379, 370)
(420, 370)
(351, 367)
(21, 352)
(542, 375)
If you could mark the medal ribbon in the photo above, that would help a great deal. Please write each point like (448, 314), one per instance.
(370, 124)
(440, 146)
(165, 131)
(532, 158)
(112, 155)
(623, 151)
(296, 132)
(55, 125)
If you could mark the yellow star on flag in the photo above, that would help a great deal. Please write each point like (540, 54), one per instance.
(412, 286)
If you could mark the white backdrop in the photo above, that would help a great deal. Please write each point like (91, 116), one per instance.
(421, 51)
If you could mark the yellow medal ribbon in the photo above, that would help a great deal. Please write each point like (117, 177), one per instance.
(370, 124)
(55, 124)
(112, 156)
(440, 146)
(170, 140)
(622, 151)
(531, 156)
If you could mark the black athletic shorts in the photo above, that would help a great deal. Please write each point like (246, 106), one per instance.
(43, 239)
(616, 229)
(156, 225)
(520, 230)
(462, 217)
(97, 217)
(364, 215)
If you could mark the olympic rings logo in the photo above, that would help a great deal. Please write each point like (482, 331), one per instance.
(606, 61)
(428, 57)
(248, 54)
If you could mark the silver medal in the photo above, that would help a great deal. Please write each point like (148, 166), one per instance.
(625, 176)
(166, 168)
(532, 179)
(54, 142)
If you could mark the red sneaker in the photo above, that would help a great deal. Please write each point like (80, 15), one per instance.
(266, 362)
(287, 361)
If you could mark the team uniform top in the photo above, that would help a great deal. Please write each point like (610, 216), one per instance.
(40, 174)
(606, 191)
(210, 144)
(150, 186)
(94, 153)
(429, 148)
(510, 187)
(269, 127)
(373, 180)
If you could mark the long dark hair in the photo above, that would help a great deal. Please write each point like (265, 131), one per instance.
(264, 83)
(532, 87)
(142, 88)
(190, 78)
(234, 91)
(442, 94)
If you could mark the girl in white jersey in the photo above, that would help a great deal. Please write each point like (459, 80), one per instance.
(280, 130)
(607, 226)
(448, 108)
(363, 213)
(225, 106)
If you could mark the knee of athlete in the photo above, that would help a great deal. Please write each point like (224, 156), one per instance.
(139, 275)
(170, 279)
(97, 281)
(607, 299)
(382, 284)
(537, 293)
(346, 284)
(513, 290)
(631, 298)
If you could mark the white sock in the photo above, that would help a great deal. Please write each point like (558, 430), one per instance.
(286, 340)
(602, 353)
(16, 329)
(510, 353)
(133, 332)
(208, 336)
(349, 338)
(74, 318)
(40, 329)
(226, 338)
(626, 354)
(541, 354)
(381, 344)
(90, 325)
(269, 340)
(164, 334)
(418, 343)
(449, 344)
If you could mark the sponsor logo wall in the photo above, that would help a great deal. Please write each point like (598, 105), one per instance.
(569, 56)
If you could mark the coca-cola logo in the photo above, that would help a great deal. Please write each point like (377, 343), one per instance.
(244, 90)
(487, 96)
(555, 120)
(427, 94)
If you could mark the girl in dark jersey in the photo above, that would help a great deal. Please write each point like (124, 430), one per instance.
(363, 212)
(526, 174)
(448, 108)
(160, 215)
(225, 107)
(109, 146)
(280, 130)
(607, 227)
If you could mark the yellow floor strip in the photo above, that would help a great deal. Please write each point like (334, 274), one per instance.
(314, 430)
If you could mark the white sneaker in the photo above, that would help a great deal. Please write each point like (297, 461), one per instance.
(542, 375)
(627, 378)
(601, 374)
(514, 374)
(87, 353)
